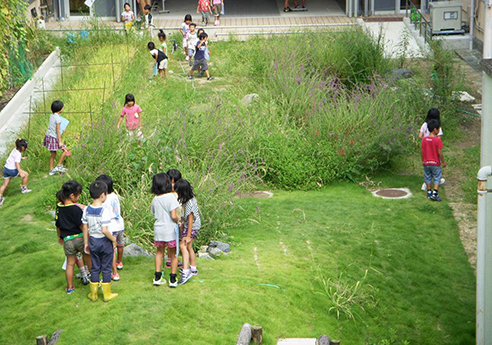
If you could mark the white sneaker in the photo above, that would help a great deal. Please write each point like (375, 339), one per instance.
(24, 191)
(194, 272)
(184, 278)
(161, 281)
(173, 285)
(62, 169)
(2, 199)
(53, 171)
(187, 58)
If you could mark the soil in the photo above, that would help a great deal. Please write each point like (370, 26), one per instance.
(8, 95)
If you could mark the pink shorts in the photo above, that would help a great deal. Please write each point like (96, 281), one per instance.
(171, 244)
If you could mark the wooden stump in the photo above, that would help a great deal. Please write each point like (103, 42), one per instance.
(257, 333)
(323, 340)
(42, 340)
(335, 342)
(54, 338)
(245, 335)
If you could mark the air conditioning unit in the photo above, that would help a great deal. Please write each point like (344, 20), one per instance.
(446, 17)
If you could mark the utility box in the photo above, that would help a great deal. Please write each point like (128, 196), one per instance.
(446, 17)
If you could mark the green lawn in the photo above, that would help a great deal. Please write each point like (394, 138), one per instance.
(419, 286)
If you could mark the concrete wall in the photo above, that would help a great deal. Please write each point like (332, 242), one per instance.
(105, 8)
(33, 4)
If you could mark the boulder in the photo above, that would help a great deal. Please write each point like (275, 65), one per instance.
(214, 251)
(51, 213)
(134, 250)
(400, 73)
(248, 99)
(323, 340)
(205, 256)
(224, 247)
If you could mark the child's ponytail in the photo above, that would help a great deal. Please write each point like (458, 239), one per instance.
(68, 188)
(161, 34)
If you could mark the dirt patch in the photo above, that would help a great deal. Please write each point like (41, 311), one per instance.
(8, 95)
(255, 194)
(466, 216)
(27, 218)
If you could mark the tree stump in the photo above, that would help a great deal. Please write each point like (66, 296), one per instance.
(323, 340)
(245, 335)
(335, 342)
(257, 333)
(42, 340)
(55, 337)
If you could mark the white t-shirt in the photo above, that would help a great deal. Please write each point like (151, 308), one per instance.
(112, 205)
(186, 28)
(14, 157)
(164, 226)
(192, 40)
(127, 16)
(55, 119)
(425, 131)
(149, 20)
(96, 218)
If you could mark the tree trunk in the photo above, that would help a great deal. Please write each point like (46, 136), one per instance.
(42, 340)
(245, 335)
(257, 333)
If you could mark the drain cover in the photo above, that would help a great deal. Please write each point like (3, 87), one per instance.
(393, 193)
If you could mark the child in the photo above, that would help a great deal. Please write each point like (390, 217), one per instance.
(117, 225)
(160, 58)
(53, 138)
(12, 169)
(432, 114)
(217, 10)
(204, 9)
(192, 39)
(127, 17)
(149, 20)
(432, 159)
(185, 27)
(200, 61)
(175, 175)
(163, 208)
(192, 224)
(99, 242)
(70, 230)
(133, 114)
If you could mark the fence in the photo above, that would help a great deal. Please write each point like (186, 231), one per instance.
(419, 21)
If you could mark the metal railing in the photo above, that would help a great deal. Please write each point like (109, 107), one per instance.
(419, 21)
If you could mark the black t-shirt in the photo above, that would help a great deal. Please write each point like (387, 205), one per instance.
(68, 219)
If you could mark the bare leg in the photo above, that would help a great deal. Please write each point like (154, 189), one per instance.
(69, 272)
(25, 178)
(52, 159)
(80, 263)
(114, 262)
(286, 4)
(436, 187)
(4, 186)
(120, 253)
(428, 186)
(158, 259)
(174, 260)
(208, 74)
(185, 254)
(62, 157)
(165, 73)
(191, 254)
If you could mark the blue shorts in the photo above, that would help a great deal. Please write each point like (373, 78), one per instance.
(432, 172)
(10, 173)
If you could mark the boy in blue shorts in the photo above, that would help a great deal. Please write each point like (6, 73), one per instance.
(98, 241)
(433, 159)
(12, 169)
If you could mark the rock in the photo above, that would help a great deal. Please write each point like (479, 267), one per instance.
(245, 335)
(248, 99)
(214, 251)
(399, 73)
(205, 256)
(463, 96)
(323, 340)
(51, 213)
(134, 250)
(224, 247)
(170, 72)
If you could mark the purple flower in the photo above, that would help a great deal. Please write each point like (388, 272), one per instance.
(231, 187)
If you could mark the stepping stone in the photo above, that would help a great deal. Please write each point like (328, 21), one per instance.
(297, 341)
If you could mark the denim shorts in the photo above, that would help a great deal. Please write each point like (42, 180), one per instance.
(10, 173)
(432, 172)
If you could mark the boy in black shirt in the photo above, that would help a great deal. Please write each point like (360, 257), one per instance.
(69, 229)
(159, 56)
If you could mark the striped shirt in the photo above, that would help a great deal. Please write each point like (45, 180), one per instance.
(96, 218)
(191, 207)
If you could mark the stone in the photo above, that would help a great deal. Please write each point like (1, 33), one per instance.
(205, 256)
(51, 213)
(214, 251)
(463, 96)
(134, 250)
(224, 247)
(323, 340)
(248, 99)
(400, 73)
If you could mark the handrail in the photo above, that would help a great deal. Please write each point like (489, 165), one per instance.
(418, 20)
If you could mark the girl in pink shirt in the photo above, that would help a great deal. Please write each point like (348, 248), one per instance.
(132, 114)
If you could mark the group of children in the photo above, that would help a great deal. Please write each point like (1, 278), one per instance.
(195, 47)
(92, 236)
(432, 156)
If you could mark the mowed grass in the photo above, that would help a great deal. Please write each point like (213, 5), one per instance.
(419, 286)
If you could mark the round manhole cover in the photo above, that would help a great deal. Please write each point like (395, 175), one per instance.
(393, 193)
